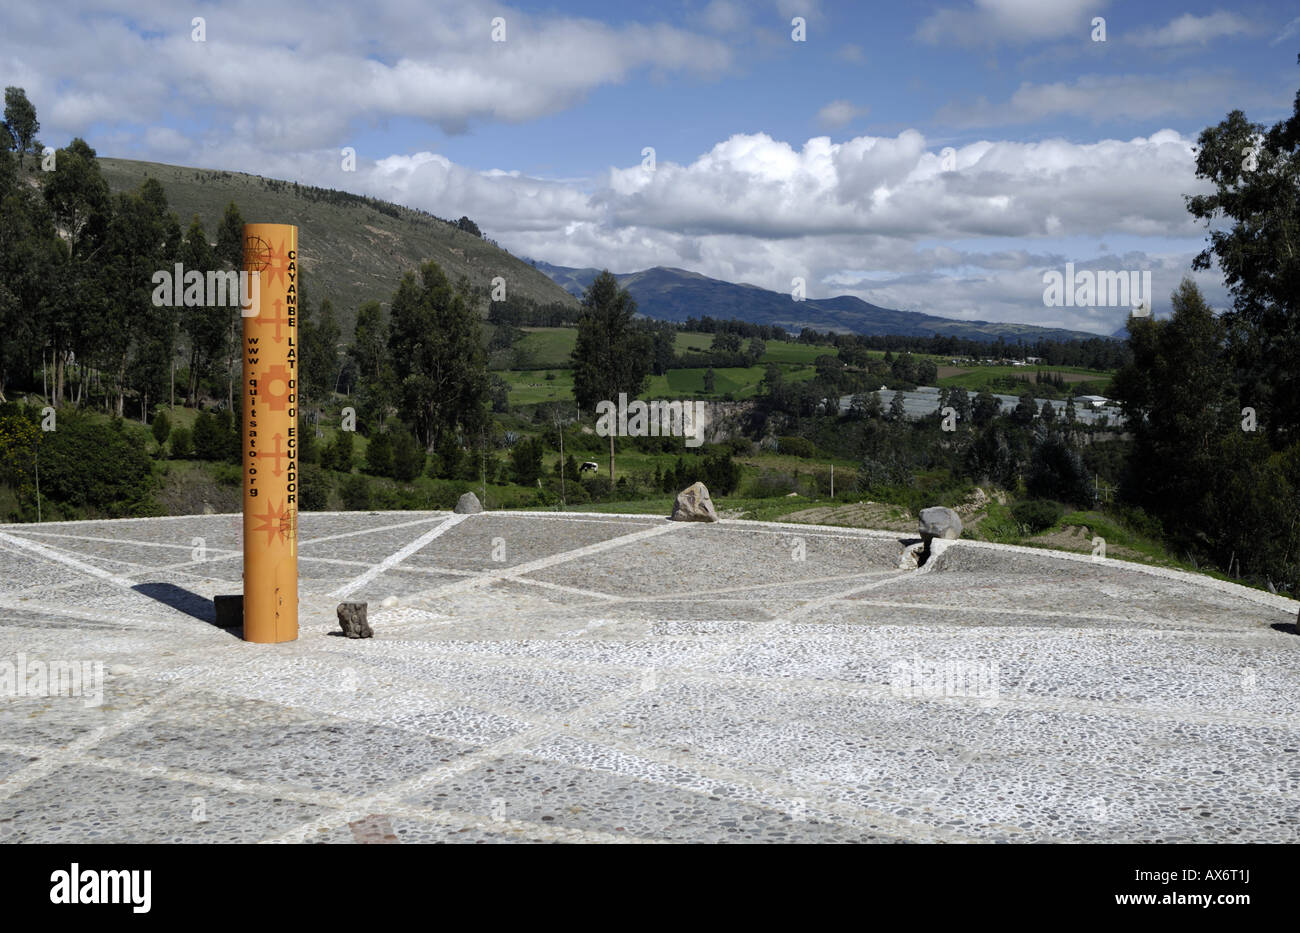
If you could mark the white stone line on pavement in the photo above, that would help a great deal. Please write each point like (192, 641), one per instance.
(561, 588)
(783, 685)
(157, 624)
(209, 558)
(544, 832)
(440, 516)
(392, 796)
(435, 569)
(39, 530)
(546, 725)
(328, 800)
(708, 595)
(392, 560)
(612, 518)
(930, 795)
(72, 752)
(541, 563)
(333, 800)
(996, 610)
(131, 568)
(1227, 587)
(61, 557)
(789, 530)
(111, 521)
(766, 791)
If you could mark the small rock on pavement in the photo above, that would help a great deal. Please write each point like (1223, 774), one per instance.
(694, 505)
(468, 505)
(939, 522)
(910, 558)
(352, 617)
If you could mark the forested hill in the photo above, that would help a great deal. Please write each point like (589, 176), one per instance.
(353, 248)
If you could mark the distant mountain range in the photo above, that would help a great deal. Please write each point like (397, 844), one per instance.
(667, 294)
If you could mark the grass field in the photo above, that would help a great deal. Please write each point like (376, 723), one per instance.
(804, 353)
(978, 378)
(692, 341)
(548, 347)
(531, 386)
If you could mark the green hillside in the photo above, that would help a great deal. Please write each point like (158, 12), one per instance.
(352, 251)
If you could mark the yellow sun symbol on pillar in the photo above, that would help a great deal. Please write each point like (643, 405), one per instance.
(276, 520)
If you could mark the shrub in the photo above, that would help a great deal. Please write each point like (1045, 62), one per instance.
(448, 464)
(355, 492)
(598, 487)
(228, 474)
(86, 463)
(338, 455)
(161, 427)
(770, 484)
(308, 446)
(1056, 471)
(313, 488)
(720, 473)
(526, 461)
(207, 438)
(379, 454)
(796, 446)
(1035, 515)
(181, 444)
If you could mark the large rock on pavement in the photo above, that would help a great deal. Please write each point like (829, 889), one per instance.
(468, 504)
(939, 522)
(694, 505)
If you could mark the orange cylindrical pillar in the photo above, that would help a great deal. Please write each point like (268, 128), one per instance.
(270, 433)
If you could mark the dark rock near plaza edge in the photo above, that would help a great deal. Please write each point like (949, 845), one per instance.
(230, 610)
(352, 617)
(468, 505)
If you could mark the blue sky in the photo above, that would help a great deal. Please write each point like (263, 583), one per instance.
(870, 55)
(821, 159)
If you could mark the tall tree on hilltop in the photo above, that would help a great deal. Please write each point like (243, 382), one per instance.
(29, 251)
(78, 199)
(134, 341)
(1256, 175)
(20, 121)
(319, 366)
(611, 355)
(437, 356)
(369, 342)
(1178, 402)
(229, 254)
(207, 327)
